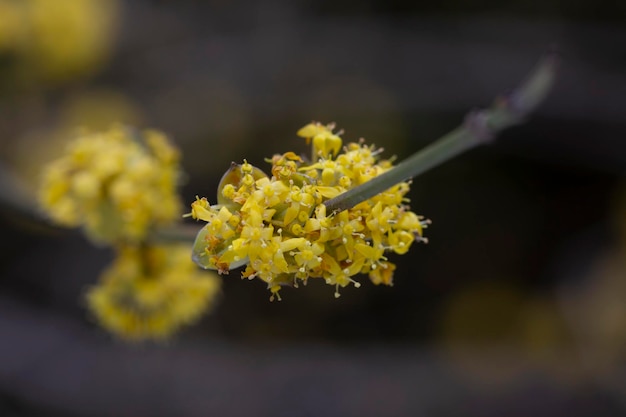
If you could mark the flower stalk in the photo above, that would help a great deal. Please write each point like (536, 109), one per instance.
(479, 127)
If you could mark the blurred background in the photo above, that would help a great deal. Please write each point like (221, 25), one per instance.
(515, 307)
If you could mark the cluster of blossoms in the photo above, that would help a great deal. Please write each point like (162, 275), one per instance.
(149, 292)
(279, 226)
(115, 184)
(120, 186)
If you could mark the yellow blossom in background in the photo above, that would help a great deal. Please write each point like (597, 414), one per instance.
(279, 227)
(93, 109)
(116, 184)
(149, 292)
(58, 40)
(10, 25)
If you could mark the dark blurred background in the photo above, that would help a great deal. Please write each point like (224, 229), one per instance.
(515, 307)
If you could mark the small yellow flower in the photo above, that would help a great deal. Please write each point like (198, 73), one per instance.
(115, 184)
(282, 231)
(383, 274)
(325, 142)
(150, 292)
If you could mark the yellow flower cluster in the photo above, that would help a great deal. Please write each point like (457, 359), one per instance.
(151, 291)
(119, 185)
(60, 39)
(279, 227)
(116, 184)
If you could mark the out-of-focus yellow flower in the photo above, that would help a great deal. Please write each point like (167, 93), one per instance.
(60, 39)
(92, 109)
(279, 227)
(116, 184)
(151, 291)
(10, 25)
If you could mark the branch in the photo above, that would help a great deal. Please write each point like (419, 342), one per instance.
(479, 127)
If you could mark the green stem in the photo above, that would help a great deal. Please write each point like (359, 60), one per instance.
(184, 233)
(479, 127)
